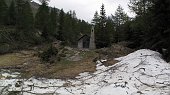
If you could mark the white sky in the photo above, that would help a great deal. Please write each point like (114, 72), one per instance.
(85, 9)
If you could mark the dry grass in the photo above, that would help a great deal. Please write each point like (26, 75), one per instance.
(9, 60)
(13, 59)
(64, 69)
(72, 70)
(110, 62)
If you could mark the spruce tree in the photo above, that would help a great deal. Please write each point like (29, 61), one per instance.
(110, 27)
(28, 20)
(161, 25)
(120, 16)
(42, 20)
(53, 23)
(61, 24)
(102, 35)
(119, 19)
(95, 19)
(11, 16)
(140, 7)
(20, 14)
(3, 10)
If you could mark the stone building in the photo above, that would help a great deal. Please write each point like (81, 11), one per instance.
(83, 42)
(87, 42)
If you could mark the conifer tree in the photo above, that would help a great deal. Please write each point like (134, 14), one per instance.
(140, 7)
(28, 20)
(102, 35)
(42, 20)
(160, 26)
(95, 19)
(120, 16)
(11, 14)
(53, 23)
(20, 14)
(3, 10)
(61, 24)
(119, 19)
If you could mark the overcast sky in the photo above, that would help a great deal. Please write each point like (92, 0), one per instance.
(85, 9)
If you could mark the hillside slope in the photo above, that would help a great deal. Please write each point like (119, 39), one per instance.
(33, 4)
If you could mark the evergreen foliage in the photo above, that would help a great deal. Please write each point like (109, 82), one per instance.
(53, 25)
(140, 7)
(3, 10)
(161, 25)
(49, 55)
(153, 17)
(42, 20)
(11, 18)
(19, 28)
(95, 19)
(61, 25)
(20, 15)
(119, 19)
(103, 38)
(28, 21)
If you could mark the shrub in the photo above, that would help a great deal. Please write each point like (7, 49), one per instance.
(49, 55)
(4, 48)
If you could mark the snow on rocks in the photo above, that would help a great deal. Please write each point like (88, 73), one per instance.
(143, 72)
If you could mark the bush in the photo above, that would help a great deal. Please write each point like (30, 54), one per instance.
(49, 55)
(4, 48)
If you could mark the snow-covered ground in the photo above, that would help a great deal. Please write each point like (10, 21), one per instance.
(143, 72)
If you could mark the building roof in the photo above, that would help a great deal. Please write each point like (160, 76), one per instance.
(83, 36)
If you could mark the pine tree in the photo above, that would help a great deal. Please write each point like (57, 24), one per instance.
(119, 19)
(140, 7)
(111, 29)
(161, 25)
(28, 20)
(120, 16)
(95, 19)
(3, 10)
(11, 14)
(42, 20)
(61, 24)
(53, 23)
(102, 35)
(20, 14)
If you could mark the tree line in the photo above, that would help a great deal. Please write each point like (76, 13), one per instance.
(110, 29)
(21, 28)
(150, 28)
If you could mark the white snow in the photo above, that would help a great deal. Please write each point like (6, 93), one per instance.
(143, 72)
